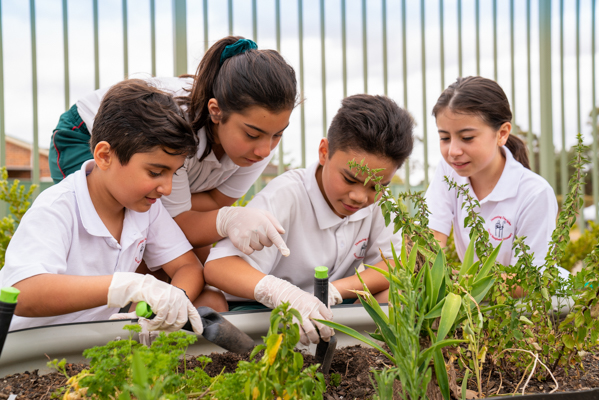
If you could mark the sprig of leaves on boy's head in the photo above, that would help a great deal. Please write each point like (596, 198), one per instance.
(473, 220)
(415, 227)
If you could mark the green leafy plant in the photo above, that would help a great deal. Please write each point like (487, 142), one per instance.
(576, 251)
(279, 373)
(18, 199)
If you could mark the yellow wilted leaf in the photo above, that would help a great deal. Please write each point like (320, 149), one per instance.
(255, 393)
(272, 352)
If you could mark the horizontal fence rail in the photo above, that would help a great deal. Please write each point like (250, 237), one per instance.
(544, 58)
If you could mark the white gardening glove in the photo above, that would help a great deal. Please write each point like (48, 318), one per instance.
(250, 229)
(334, 296)
(169, 303)
(272, 292)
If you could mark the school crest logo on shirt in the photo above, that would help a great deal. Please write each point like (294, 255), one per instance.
(500, 228)
(360, 247)
(141, 246)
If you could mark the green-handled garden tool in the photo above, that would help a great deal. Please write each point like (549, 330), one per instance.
(217, 329)
(324, 350)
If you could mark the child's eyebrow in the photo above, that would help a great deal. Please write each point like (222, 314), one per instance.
(161, 166)
(353, 176)
(460, 131)
(263, 131)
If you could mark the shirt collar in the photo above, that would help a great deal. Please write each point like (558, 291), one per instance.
(507, 186)
(89, 216)
(225, 161)
(324, 215)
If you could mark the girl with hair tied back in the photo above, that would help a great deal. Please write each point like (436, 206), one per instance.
(239, 103)
(474, 123)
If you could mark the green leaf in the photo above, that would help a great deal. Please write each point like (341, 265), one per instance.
(465, 384)
(139, 371)
(526, 320)
(412, 259)
(436, 311)
(468, 257)
(431, 295)
(579, 319)
(581, 334)
(449, 313)
(441, 373)
(482, 287)
(438, 277)
(356, 335)
(403, 253)
(426, 354)
(568, 341)
(471, 272)
(381, 323)
(489, 262)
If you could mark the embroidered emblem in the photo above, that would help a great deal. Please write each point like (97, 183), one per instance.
(362, 245)
(141, 246)
(498, 225)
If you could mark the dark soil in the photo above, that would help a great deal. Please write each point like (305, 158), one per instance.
(352, 363)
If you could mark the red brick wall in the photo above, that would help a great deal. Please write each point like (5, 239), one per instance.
(17, 156)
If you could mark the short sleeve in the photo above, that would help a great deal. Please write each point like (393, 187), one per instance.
(166, 241)
(179, 200)
(440, 201)
(382, 237)
(240, 182)
(264, 260)
(537, 221)
(40, 244)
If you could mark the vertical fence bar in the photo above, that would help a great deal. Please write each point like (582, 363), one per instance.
(512, 29)
(35, 167)
(424, 110)
(405, 80)
(365, 46)
(205, 12)
(230, 11)
(300, 6)
(125, 42)
(281, 166)
(442, 44)
(385, 46)
(65, 38)
(529, 135)
(546, 138)
(460, 37)
(324, 71)
(255, 20)
(581, 222)
(344, 47)
(477, 11)
(180, 36)
(153, 35)
(563, 154)
(96, 46)
(2, 123)
(495, 39)
(594, 157)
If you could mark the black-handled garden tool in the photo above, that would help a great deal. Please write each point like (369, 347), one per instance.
(8, 303)
(217, 329)
(324, 350)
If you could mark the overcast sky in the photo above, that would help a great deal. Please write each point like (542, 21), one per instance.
(50, 57)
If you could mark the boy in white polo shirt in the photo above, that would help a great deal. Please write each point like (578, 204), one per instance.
(328, 216)
(75, 251)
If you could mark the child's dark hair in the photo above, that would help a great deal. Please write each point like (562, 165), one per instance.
(483, 97)
(136, 117)
(253, 78)
(372, 124)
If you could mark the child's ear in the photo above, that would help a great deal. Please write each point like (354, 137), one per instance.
(323, 151)
(504, 133)
(103, 155)
(214, 110)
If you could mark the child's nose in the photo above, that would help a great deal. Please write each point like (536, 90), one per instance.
(455, 149)
(263, 149)
(360, 196)
(165, 188)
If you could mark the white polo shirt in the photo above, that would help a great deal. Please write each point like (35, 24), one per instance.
(62, 234)
(521, 204)
(313, 233)
(196, 176)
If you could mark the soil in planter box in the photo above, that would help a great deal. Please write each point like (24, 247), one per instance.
(352, 363)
